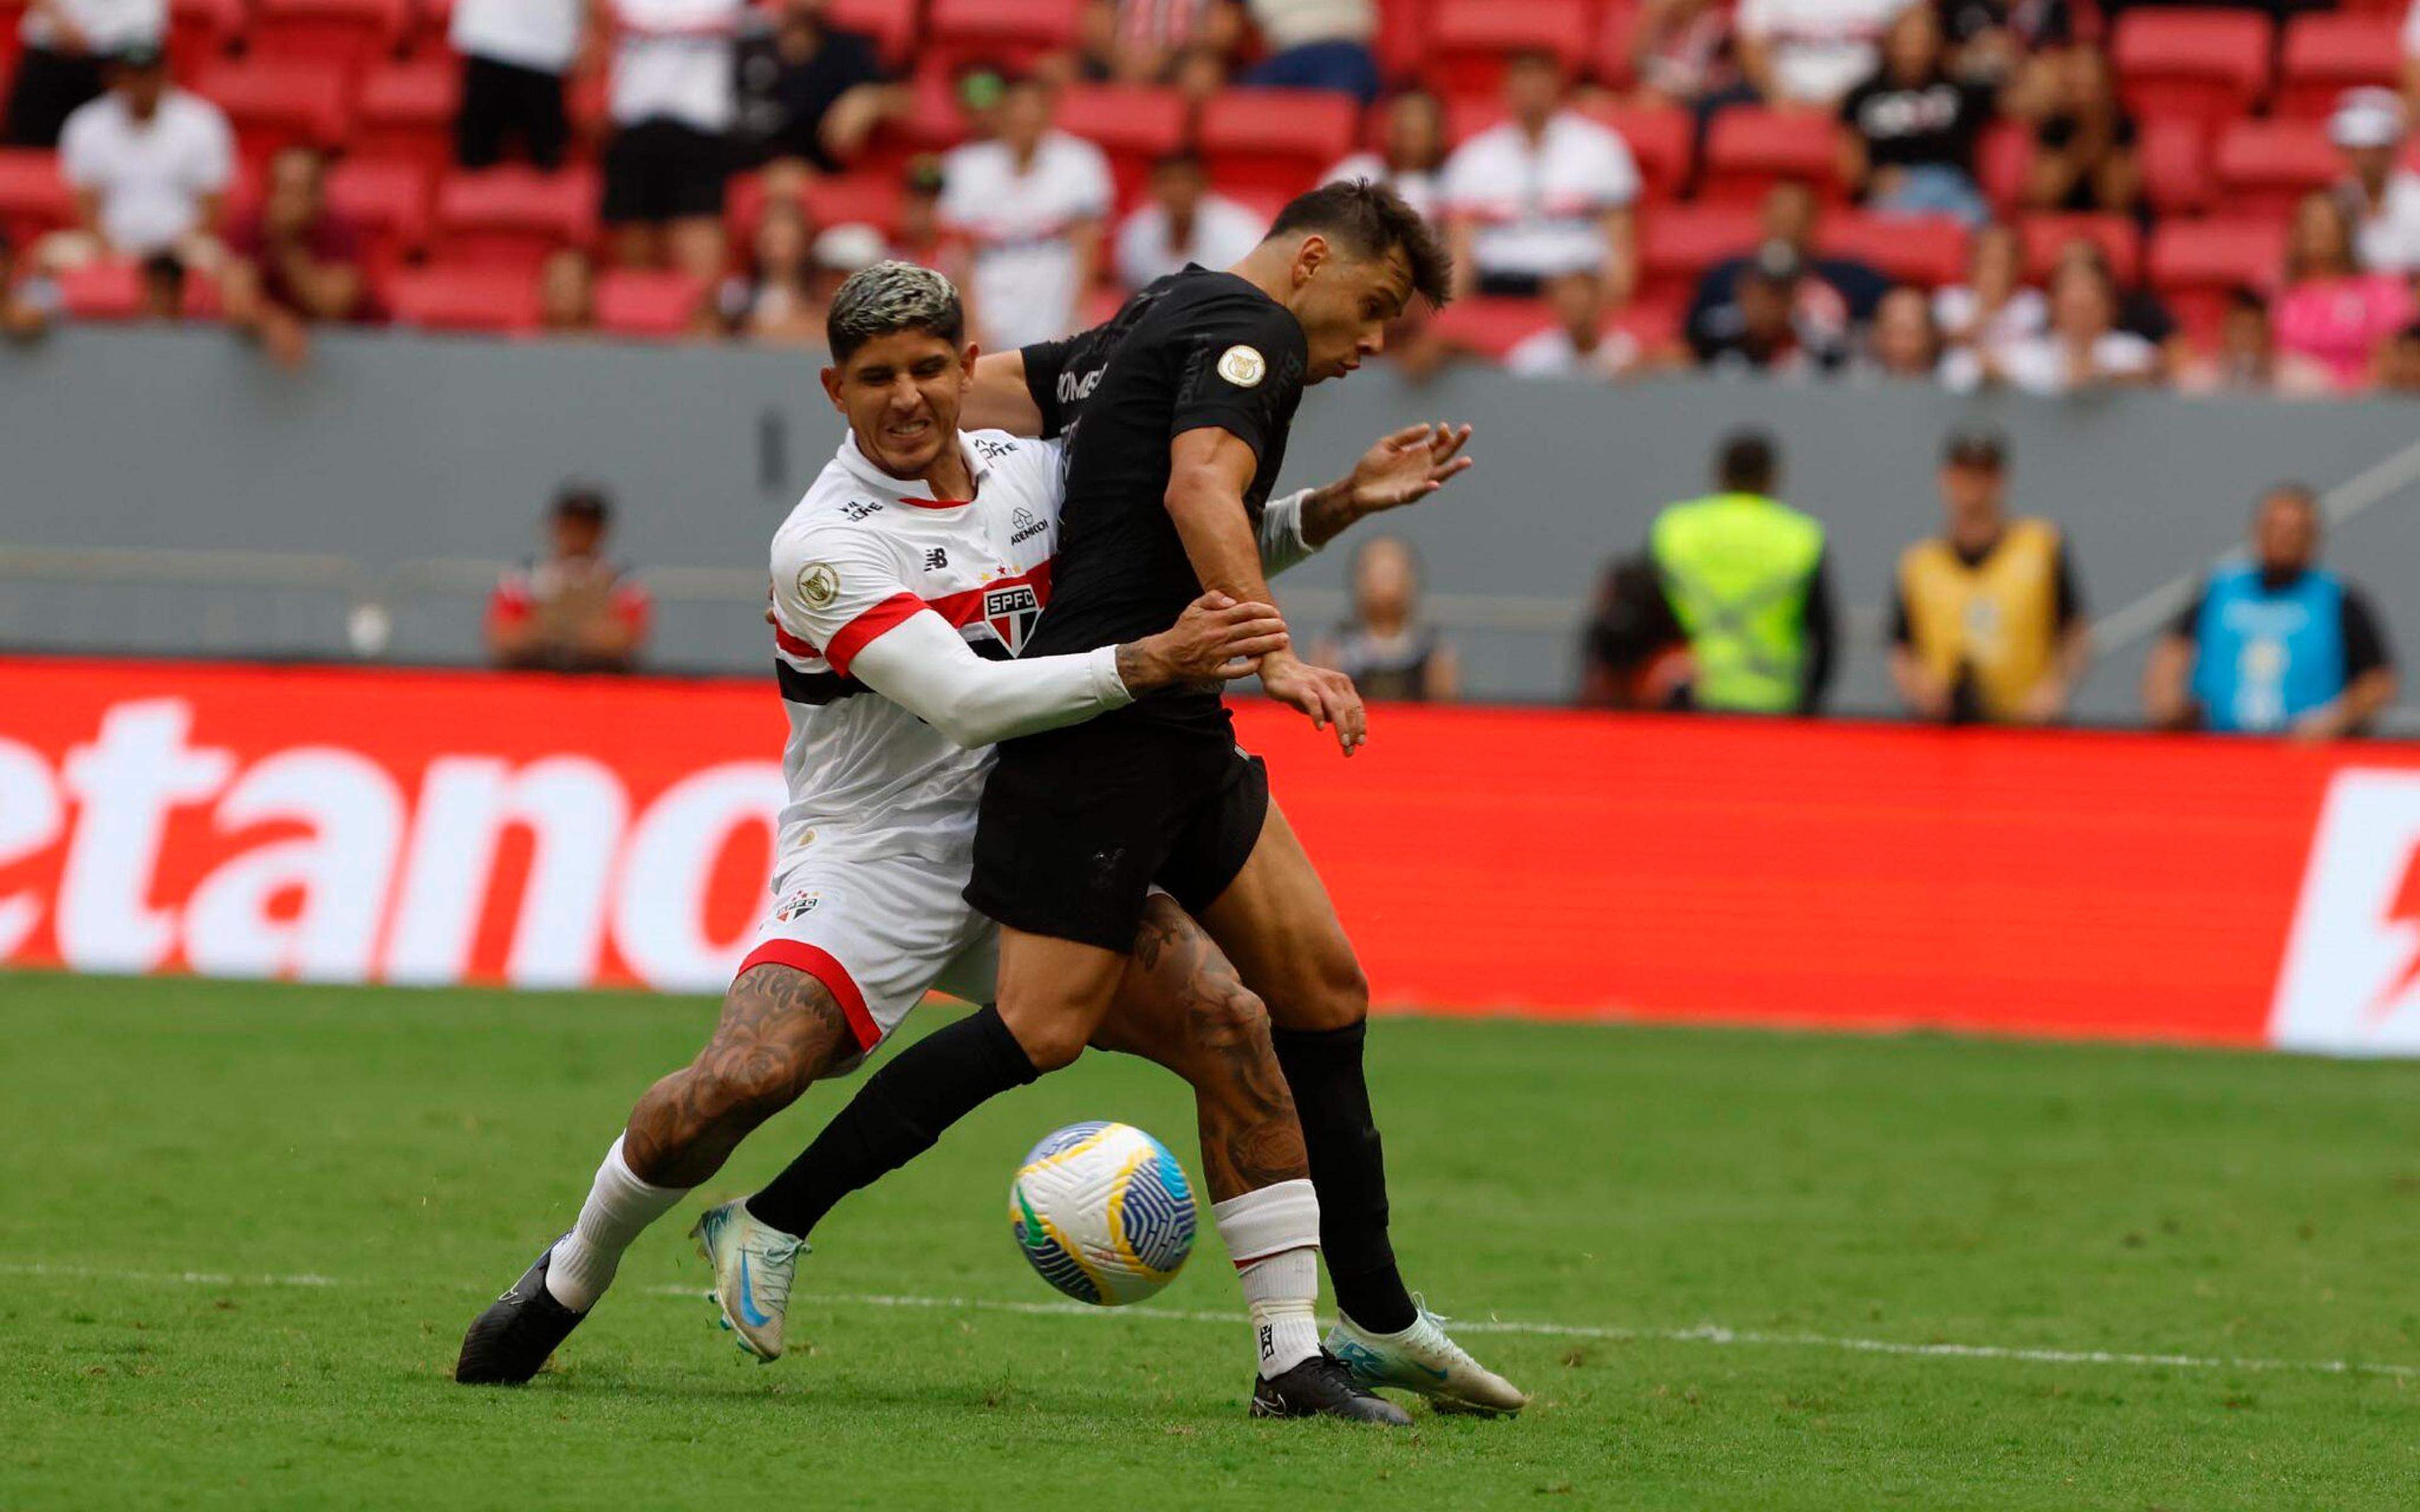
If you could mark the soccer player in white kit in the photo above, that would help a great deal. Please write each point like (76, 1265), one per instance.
(904, 583)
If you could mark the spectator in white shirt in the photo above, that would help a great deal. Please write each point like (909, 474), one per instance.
(67, 44)
(2383, 198)
(514, 53)
(1809, 54)
(1031, 202)
(1185, 220)
(1414, 157)
(1993, 306)
(149, 165)
(1317, 44)
(1579, 344)
(1905, 343)
(673, 96)
(2083, 350)
(1548, 191)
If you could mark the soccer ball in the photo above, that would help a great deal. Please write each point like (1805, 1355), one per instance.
(1103, 1212)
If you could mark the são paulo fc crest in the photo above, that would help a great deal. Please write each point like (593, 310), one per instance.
(1011, 609)
(797, 905)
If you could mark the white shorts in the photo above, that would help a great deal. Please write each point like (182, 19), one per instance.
(879, 933)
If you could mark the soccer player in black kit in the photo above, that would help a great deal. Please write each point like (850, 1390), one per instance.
(1177, 415)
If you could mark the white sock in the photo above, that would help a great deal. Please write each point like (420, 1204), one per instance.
(1274, 1235)
(618, 1210)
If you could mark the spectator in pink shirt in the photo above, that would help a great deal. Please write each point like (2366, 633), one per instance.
(2332, 312)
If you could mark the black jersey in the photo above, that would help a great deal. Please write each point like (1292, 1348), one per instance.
(1195, 349)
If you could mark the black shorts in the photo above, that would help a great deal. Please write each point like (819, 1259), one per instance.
(49, 89)
(1078, 824)
(503, 100)
(660, 171)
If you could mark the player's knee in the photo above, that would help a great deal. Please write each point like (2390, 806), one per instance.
(1052, 1046)
(747, 1092)
(1336, 996)
(1235, 1016)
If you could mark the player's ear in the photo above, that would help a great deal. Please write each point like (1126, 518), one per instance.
(1314, 255)
(831, 388)
(966, 366)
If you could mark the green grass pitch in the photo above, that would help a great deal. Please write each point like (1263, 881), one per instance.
(1730, 1255)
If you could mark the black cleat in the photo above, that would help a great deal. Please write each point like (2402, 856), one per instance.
(510, 1341)
(1321, 1386)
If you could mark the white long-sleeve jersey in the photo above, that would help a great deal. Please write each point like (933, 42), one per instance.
(898, 619)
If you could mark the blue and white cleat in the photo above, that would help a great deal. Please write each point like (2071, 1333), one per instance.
(1423, 1358)
(752, 1265)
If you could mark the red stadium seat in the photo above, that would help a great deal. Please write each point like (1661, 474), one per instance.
(1403, 38)
(33, 197)
(275, 103)
(388, 200)
(1012, 33)
(513, 216)
(1489, 327)
(891, 24)
(2116, 235)
(2195, 264)
(2174, 155)
(1132, 124)
(865, 199)
(2003, 159)
(1750, 149)
(1660, 139)
(450, 297)
(1276, 139)
(340, 34)
(1612, 62)
(2209, 66)
(632, 302)
(1678, 243)
(102, 291)
(432, 23)
(1930, 251)
(2327, 55)
(408, 110)
(1469, 39)
(2262, 167)
(199, 33)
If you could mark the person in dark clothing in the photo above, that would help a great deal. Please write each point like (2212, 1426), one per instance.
(1909, 146)
(813, 92)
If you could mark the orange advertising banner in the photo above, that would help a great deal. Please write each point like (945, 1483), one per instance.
(416, 826)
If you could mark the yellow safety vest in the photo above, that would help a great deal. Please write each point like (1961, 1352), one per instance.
(1997, 621)
(1737, 568)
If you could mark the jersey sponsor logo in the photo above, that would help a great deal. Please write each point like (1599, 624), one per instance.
(937, 559)
(993, 451)
(818, 583)
(2350, 983)
(1243, 366)
(857, 509)
(797, 905)
(1028, 524)
(1011, 610)
(1074, 387)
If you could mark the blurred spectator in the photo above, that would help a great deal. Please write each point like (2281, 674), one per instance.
(1184, 220)
(1996, 41)
(2084, 142)
(1909, 148)
(23, 315)
(571, 610)
(2275, 643)
(150, 165)
(815, 94)
(1547, 192)
(775, 299)
(2331, 311)
(67, 45)
(515, 54)
(1763, 329)
(1807, 53)
(2246, 359)
(1835, 294)
(292, 263)
(1905, 343)
(2140, 310)
(1031, 202)
(567, 293)
(1987, 620)
(2382, 197)
(164, 286)
(919, 239)
(672, 99)
(1144, 41)
(2082, 350)
(1317, 44)
(1581, 342)
(1389, 655)
(1992, 306)
(1681, 51)
(1633, 653)
(1748, 580)
(2399, 363)
(1414, 154)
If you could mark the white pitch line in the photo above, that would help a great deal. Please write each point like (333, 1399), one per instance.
(1713, 1334)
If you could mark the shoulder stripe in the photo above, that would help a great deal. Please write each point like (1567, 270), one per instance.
(856, 633)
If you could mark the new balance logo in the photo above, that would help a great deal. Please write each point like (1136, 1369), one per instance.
(936, 559)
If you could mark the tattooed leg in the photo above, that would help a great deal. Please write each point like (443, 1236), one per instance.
(781, 1030)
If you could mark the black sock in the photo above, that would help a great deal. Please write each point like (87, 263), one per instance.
(896, 1116)
(1324, 1068)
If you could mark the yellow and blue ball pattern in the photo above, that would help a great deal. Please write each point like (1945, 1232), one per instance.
(1103, 1212)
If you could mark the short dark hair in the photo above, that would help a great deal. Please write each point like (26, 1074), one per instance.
(891, 297)
(1179, 158)
(1374, 219)
(1747, 462)
(579, 499)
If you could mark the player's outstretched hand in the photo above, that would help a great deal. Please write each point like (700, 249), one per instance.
(1215, 640)
(1328, 697)
(1408, 466)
